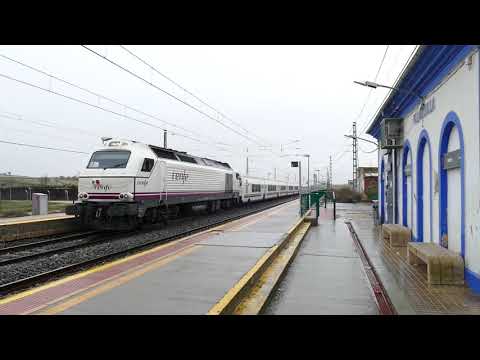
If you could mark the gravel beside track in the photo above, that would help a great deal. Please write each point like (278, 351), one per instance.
(11, 243)
(122, 242)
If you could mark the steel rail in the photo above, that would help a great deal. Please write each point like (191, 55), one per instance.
(35, 244)
(58, 250)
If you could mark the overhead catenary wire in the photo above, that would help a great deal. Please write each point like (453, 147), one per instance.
(95, 106)
(51, 76)
(42, 147)
(375, 79)
(367, 152)
(47, 124)
(341, 155)
(372, 118)
(389, 71)
(36, 133)
(169, 94)
(186, 90)
(125, 106)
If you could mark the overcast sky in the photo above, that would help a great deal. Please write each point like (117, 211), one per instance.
(277, 93)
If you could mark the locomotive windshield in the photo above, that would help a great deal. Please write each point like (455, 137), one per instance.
(109, 160)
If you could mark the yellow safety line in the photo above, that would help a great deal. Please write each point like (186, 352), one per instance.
(109, 265)
(95, 269)
(219, 307)
(233, 292)
(37, 220)
(110, 284)
(256, 300)
(258, 218)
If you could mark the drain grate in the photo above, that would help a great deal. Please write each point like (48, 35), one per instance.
(384, 304)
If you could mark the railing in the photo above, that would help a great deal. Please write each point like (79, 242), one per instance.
(314, 197)
(376, 219)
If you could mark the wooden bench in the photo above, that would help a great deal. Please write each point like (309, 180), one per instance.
(396, 235)
(444, 267)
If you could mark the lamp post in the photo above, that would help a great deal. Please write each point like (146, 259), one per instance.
(308, 167)
(318, 178)
(299, 165)
(374, 85)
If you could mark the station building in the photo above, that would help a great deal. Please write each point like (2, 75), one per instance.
(429, 179)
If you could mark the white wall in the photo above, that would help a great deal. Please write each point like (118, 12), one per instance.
(460, 93)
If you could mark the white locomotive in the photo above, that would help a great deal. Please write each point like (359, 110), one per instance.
(126, 183)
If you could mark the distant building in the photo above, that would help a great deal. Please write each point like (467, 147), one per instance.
(367, 181)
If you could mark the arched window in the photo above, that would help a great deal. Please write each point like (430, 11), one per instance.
(424, 187)
(407, 184)
(451, 162)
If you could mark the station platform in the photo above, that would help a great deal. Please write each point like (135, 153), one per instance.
(406, 285)
(34, 218)
(186, 276)
(26, 227)
(326, 277)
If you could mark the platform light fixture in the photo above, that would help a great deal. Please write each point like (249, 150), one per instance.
(374, 85)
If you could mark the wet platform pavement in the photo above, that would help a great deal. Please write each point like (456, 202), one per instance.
(405, 284)
(189, 280)
(326, 277)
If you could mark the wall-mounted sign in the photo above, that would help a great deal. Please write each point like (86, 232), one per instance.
(452, 160)
(426, 109)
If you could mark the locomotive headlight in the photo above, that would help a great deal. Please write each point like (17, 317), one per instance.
(125, 196)
(83, 196)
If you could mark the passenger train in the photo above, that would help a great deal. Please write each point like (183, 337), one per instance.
(127, 183)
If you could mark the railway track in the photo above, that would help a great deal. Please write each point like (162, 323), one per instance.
(12, 254)
(40, 266)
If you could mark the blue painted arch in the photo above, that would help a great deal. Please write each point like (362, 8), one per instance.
(423, 141)
(451, 120)
(407, 153)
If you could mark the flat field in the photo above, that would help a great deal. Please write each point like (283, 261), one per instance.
(13, 208)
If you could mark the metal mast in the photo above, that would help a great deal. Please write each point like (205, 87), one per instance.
(330, 179)
(355, 155)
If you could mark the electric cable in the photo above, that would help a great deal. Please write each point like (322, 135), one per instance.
(42, 147)
(187, 91)
(169, 94)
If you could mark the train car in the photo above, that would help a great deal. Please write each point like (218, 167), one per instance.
(258, 189)
(127, 182)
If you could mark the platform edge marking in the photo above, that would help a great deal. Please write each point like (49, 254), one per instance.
(112, 283)
(96, 269)
(233, 296)
(271, 279)
(65, 217)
